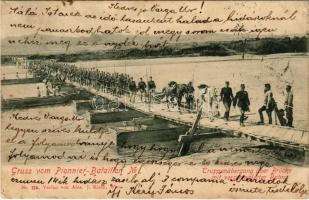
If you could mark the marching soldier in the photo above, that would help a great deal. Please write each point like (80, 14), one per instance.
(48, 91)
(107, 82)
(288, 103)
(215, 103)
(243, 103)
(227, 98)
(151, 88)
(132, 89)
(142, 89)
(268, 106)
(38, 91)
(200, 102)
(190, 96)
(113, 84)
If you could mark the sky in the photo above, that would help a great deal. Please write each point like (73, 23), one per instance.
(210, 9)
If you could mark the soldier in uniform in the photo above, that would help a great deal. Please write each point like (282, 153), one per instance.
(101, 81)
(227, 98)
(288, 103)
(268, 106)
(118, 84)
(97, 79)
(38, 91)
(122, 84)
(151, 89)
(243, 103)
(132, 89)
(201, 100)
(48, 91)
(190, 96)
(215, 103)
(107, 81)
(142, 89)
(88, 78)
(84, 77)
(113, 84)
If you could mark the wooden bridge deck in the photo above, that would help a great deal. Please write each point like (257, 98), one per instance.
(274, 135)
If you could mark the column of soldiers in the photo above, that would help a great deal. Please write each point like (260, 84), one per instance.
(241, 99)
(117, 84)
(122, 84)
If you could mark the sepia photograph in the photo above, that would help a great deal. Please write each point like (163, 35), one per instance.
(154, 99)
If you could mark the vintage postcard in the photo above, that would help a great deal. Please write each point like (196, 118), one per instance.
(154, 99)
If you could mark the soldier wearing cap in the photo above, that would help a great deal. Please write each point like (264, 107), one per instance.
(190, 96)
(142, 89)
(132, 89)
(151, 88)
(268, 106)
(48, 91)
(227, 99)
(288, 103)
(243, 103)
(200, 101)
(38, 91)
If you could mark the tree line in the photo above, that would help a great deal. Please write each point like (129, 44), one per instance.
(258, 46)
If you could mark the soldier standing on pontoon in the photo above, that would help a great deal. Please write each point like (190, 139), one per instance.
(242, 101)
(151, 89)
(142, 89)
(288, 103)
(215, 103)
(48, 91)
(190, 96)
(200, 101)
(227, 98)
(212, 103)
(132, 89)
(38, 91)
(268, 106)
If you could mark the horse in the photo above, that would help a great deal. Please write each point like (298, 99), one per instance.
(173, 91)
(168, 92)
(181, 91)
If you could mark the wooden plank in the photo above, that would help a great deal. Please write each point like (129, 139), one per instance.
(200, 136)
(185, 146)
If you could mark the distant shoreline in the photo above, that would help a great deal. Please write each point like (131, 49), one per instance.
(236, 57)
(260, 47)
